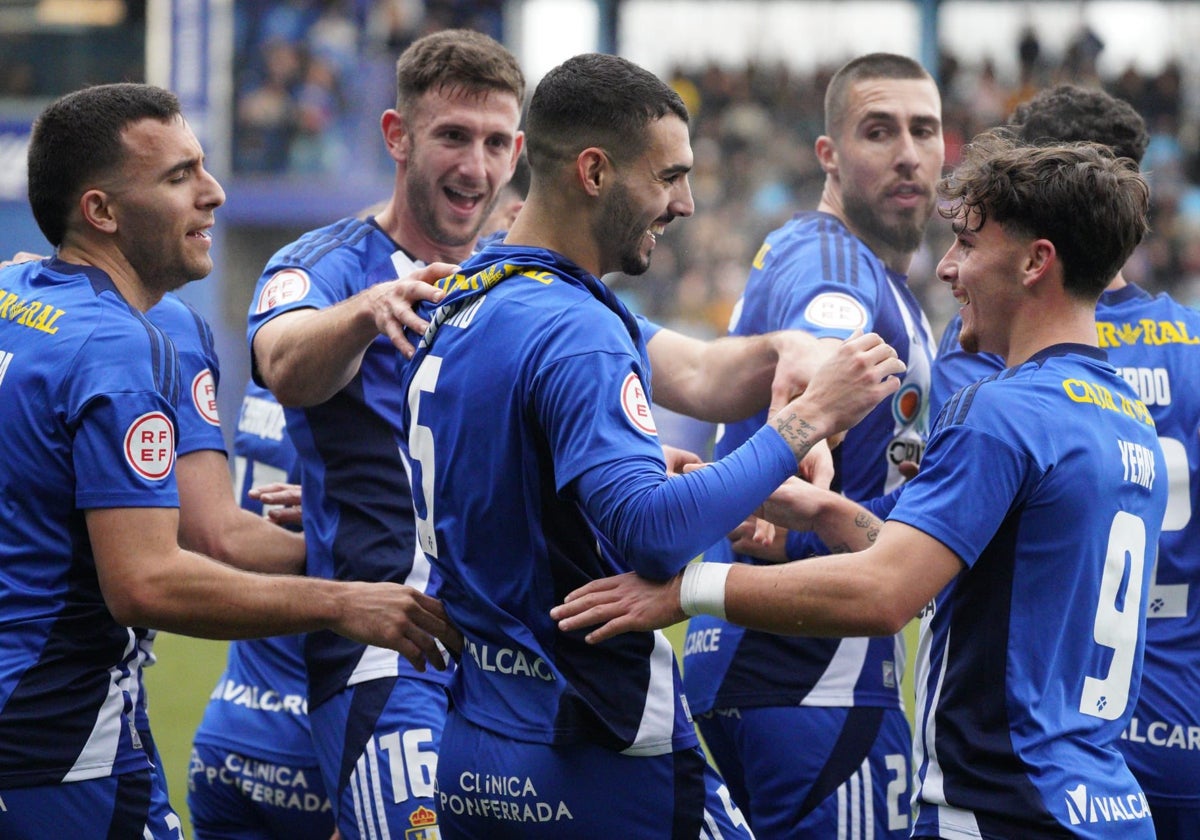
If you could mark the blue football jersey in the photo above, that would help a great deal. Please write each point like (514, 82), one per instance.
(88, 395)
(1154, 343)
(356, 500)
(814, 274)
(1048, 482)
(512, 402)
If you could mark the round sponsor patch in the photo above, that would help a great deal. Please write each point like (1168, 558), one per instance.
(286, 286)
(636, 406)
(836, 311)
(204, 397)
(150, 445)
(906, 404)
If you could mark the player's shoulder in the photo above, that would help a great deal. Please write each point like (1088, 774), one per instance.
(339, 241)
(818, 245)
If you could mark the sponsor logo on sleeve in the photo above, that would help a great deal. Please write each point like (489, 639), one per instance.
(836, 310)
(636, 406)
(204, 397)
(285, 286)
(150, 445)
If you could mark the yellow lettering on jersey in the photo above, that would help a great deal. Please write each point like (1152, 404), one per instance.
(1090, 393)
(32, 314)
(543, 277)
(1146, 331)
(761, 257)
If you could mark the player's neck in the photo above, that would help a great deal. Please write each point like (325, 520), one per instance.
(541, 226)
(1070, 323)
(113, 263)
(407, 232)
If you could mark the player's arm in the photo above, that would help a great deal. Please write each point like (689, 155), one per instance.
(869, 593)
(149, 581)
(734, 377)
(305, 356)
(212, 523)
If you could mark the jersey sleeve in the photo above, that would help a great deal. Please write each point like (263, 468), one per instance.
(827, 286)
(123, 427)
(968, 483)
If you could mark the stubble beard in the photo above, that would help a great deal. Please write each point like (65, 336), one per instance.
(904, 236)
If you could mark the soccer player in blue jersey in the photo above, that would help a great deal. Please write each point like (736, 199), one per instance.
(536, 467)
(320, 331)
(810, 733)
(89, 557)
(1026, 542)
(1154, 342)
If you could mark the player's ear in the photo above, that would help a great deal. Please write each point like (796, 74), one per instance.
(394, 130)
(594, 169)
(96, 208)
(1040, 257)
(827, 155)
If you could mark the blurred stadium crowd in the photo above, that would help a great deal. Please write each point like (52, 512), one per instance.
(312, 75)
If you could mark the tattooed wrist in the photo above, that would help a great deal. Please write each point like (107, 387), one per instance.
(797, 432)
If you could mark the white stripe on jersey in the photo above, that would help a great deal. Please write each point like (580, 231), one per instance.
(836, 686)
(657, 726)
(96, 758)
(932, 783)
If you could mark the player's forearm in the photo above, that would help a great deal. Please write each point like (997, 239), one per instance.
(306, 357)
(838, 595)
(194, 595)
(719, 381)
(252, 543)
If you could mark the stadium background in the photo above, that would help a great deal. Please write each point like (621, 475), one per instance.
(285, 95)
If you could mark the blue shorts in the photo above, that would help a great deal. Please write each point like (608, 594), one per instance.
(491, 787)
(235, 797)
(815, 772)
(132, 805)
(377, 745)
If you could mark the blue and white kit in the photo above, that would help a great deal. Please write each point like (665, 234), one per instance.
(537, 468)
(358, 525)
(1154, 343)
(1048, 482)
(813, 274)
(88, 394)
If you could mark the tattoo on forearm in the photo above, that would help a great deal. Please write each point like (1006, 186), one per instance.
(798, 432)
(867, 522)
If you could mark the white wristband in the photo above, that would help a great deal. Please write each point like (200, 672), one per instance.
(702, 591)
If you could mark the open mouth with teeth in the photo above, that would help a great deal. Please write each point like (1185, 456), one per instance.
(465, 202)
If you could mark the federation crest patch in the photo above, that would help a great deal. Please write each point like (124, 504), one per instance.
(150, 445)
(285, 286)
(424, 825)
(204, 397)
(836, 310)
(636, 406)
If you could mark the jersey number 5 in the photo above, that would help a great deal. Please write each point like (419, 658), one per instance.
(420, 446)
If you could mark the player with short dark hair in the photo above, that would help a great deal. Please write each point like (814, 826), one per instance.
(811, 734)
(536, 467)
(89, 551)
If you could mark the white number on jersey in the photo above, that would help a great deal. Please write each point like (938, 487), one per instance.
(420, 447)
